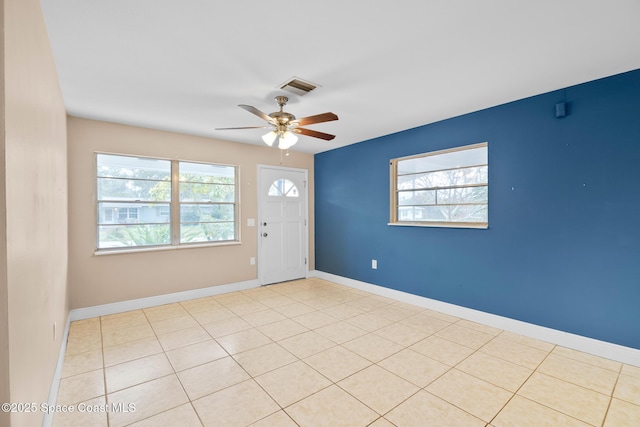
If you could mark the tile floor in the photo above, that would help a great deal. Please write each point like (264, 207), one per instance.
(314, 353)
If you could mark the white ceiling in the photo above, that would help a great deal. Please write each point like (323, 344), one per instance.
(384, 66)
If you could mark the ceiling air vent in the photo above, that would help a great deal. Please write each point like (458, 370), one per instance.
(298, 86)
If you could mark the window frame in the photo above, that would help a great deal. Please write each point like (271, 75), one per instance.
(394, 191)
(173, 204)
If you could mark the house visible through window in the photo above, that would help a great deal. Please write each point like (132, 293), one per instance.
(136, 196)
(447, 188)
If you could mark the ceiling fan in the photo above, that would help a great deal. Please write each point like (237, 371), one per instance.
(285, 125)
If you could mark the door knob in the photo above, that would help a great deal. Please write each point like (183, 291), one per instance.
(264, 234)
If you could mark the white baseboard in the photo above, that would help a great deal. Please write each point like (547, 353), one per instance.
(604, 349)
(47, 420)
(135, 304)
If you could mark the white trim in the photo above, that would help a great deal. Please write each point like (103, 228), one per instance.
(47, 420)
(135, 304)
(604, 349)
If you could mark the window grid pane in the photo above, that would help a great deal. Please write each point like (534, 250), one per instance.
(446, 188)
(134, 202)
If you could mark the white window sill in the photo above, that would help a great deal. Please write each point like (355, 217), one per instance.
(480, 226)
(129, 250)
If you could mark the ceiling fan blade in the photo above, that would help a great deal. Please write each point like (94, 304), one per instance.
(314, 133)
(254, 110)
(318, 118)
(246, 127)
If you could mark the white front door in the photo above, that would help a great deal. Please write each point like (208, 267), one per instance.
(282, 214)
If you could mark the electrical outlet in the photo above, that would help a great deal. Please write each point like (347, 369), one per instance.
(374, 264)
(252, 261)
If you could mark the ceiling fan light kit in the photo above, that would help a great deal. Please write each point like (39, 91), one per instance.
(285, 125)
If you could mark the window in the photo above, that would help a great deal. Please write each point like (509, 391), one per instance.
(447, 188)
(283, 187)
(135, 202)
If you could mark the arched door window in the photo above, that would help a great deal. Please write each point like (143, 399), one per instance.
(283, 187)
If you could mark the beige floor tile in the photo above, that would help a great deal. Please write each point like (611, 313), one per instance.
(392, 312)
(424, 409)
(465, 336)
(128, 319)
(343, 296)
(321, 303)
(260, 293)
(195, 354)
(414, 367)
(248, 307)
(306, 344)
(137, 371)
(369, 322)
(211, 377)
(427, 324)
(582, 374)
(124, 335)
(378, 388)
(292, 383)
(239, 405)
(588, 358)
(81, 387)
(531, 342)
(173, 324)
(631, 370)
(373, 347)
(80, 328)
(278, 301)
(282, 329)
(83, 343)
(495, 370)
(367, 303)
(227, 327)
(341, 332)
(232, 298)
(79, 363)
(121, 314)
(279, 419)
(80, 417)
(442, 350)
(478, 397)
(243, 341)
(200, 305)
(621, 414)
(343, 311)
(213, 315)
(628, 389)
(131, 350)
(183, 416)
(331, 407)
(337, 363)
(578, 402)
(479, 327)
(401, 334)
(149, 399)
(264, 359)
(520, 354)
(315, 319)
(263, 317)
(381, 422)
(164, 312)
(294, 309)
(521, 412)
(184, 337)
(442, 316)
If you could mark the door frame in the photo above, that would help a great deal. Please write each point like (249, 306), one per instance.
(259, 230)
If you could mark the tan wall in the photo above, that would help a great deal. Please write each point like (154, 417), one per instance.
(101, 279)
(4, 307)
(35, 181)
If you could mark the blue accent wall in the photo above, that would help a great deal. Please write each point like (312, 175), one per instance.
(563, 245)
